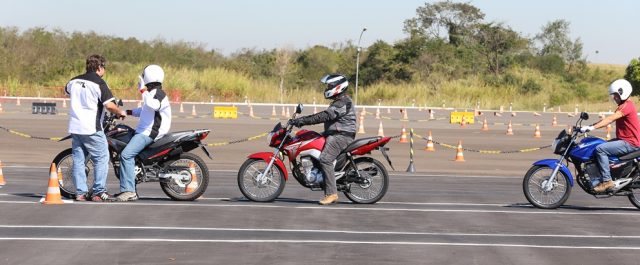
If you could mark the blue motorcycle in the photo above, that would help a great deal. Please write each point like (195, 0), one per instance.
(548, 182)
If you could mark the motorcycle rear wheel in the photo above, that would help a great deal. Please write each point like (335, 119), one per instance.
(634, 196)
(64, 165)
(374, 183)
(532, 184)
(260, 192)
(179, 191)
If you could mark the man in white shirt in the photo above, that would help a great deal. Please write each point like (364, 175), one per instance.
(90, 97)
(155, 122)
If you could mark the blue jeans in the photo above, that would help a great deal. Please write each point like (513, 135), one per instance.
(94, 145)
(128, 161)
(603, 151)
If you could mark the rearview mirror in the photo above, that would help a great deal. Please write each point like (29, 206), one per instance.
(584, 116)
(119, 103)
(299, 108)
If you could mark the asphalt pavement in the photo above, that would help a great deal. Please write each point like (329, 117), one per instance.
(471, 212)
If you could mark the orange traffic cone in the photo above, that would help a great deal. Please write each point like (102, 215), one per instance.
(284, 112)
(431, 113)
(378, 113)
(380, 130)
(459, 153)
(288, 112)
(361, 125)
(570, 130)
(1, 110)
(430, 146)
(193, 111)
(17, 101)
(251, 111)
(405, 116)
(64, 103)
(463, 122)
(2, 182)
(497, 114)
(181, 108)
(509, 129)
(609, 131)
(193, 185)
(536, 114)
(273, 111)
(536, 134)
(485, 126)
(403, 137)
(555, 121)
(53, 191)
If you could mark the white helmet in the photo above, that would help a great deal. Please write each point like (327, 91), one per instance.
(152, 73)
(621, 87)
(336, 85)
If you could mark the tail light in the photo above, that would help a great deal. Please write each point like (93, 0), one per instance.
(203, 135)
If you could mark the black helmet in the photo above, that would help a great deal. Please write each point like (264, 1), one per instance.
(336, 85)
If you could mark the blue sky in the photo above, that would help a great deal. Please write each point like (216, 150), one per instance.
(609, 27)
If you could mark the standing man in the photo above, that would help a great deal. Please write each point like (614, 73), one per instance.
(155, 122)
(627, 133)
(90, 97)
(339, 128)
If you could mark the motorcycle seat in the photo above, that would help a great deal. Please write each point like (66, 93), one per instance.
(360, 142)
(169, 137)
(630, 156)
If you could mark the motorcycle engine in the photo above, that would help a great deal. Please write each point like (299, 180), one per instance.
(592, 171)
(311, 173)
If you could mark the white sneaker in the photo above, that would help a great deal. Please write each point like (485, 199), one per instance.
(127, 196)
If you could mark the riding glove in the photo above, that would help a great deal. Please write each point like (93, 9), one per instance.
(585, 129)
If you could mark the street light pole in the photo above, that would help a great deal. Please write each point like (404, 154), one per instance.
(358, 63)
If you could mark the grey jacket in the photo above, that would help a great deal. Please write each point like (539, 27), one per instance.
(339, 118)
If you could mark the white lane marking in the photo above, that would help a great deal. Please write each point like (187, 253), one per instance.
(179, 228)
(533, 211)
(164, 240)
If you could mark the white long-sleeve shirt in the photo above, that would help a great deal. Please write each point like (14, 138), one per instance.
(155, 114)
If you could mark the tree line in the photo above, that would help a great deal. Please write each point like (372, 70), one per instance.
(444, 41)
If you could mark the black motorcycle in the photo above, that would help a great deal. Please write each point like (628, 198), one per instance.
(182, 176)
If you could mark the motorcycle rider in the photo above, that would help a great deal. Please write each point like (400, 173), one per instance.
(155, 122)
(339, 129)
(90, 97)
(627, 132)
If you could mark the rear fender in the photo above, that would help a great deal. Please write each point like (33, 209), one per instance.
(266, 156)
(552, 163)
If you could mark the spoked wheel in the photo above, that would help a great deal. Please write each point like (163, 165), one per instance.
(64, 165)
(183, 185)
(372, 184)
(634, 197)
(543, 194)
(256, 188)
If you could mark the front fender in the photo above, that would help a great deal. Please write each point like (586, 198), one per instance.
(552, 163)
(266, 156)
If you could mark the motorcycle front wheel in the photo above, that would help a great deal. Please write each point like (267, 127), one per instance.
(533, 186)
(266, 189)
(372, 184)
(187, 187)
(64, 165)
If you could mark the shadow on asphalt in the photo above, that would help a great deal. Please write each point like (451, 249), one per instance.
(576, 207)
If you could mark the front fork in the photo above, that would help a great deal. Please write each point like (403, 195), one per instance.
(548, 185)
(262, 177)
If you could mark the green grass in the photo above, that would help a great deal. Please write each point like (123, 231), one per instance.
(226, 85)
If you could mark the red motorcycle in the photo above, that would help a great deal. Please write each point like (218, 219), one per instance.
(362, 179)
